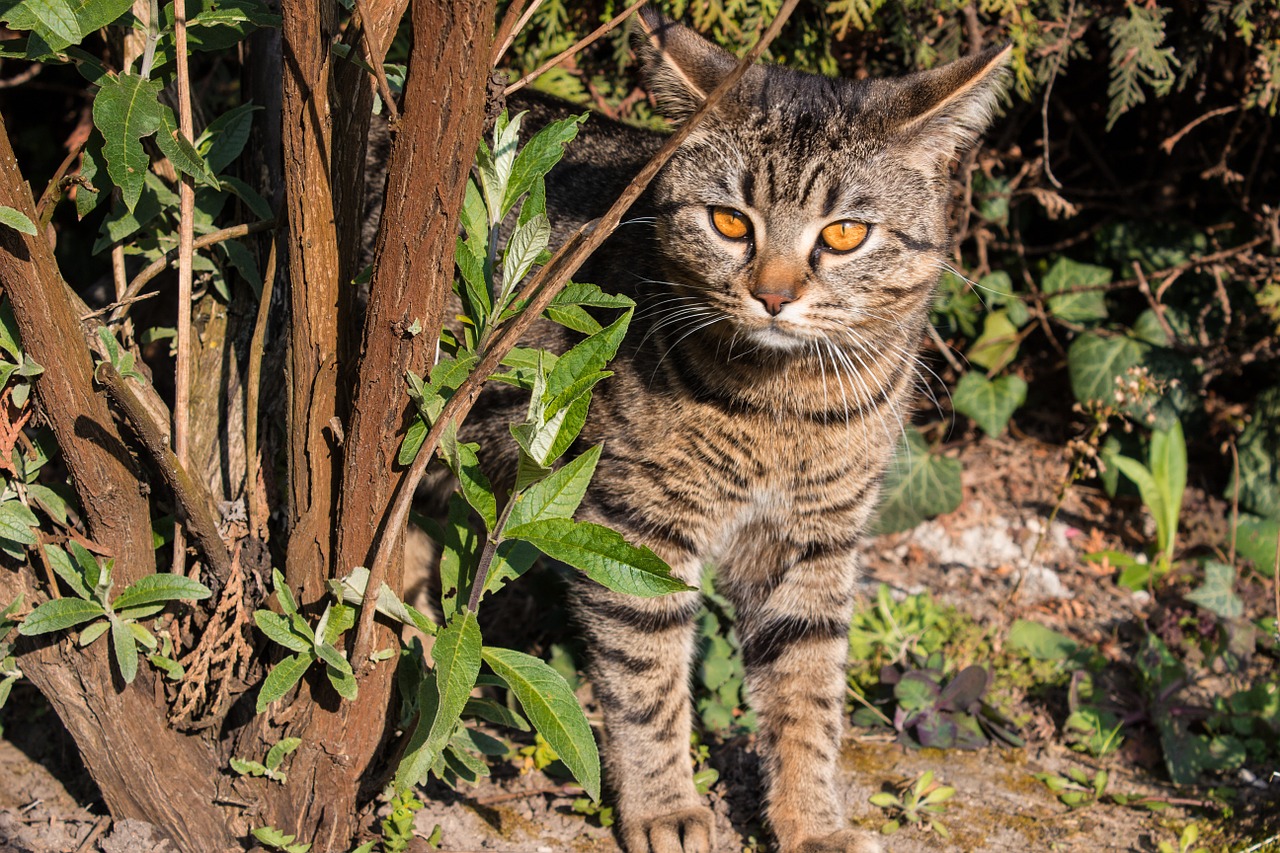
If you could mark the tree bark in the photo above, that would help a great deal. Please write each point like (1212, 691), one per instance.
(430, 161)
(314, 278)
(119, 729)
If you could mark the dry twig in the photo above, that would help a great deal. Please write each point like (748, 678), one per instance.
(561, 57)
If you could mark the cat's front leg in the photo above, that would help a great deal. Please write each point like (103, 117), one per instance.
(640, 651)
(794, 631)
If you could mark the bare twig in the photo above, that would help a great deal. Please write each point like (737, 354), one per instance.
(119, 275)
(186, 236)
(1156, 307)
(195, 504)
(945, 349)
(99, 826)
(549, 281)
(256, 523)
(1168, 144)
(1064, 47)
(161, 263)
(54, 190)
(561, 57)
(375, 55)
(512, 23)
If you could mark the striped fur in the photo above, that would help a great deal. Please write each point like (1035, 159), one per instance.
(749, 441)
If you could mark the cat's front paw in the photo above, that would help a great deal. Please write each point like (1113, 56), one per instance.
(844, 841)
(690, 830)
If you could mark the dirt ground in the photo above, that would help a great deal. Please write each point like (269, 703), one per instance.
(973, 559)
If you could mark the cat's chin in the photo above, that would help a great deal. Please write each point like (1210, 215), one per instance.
(778, 338)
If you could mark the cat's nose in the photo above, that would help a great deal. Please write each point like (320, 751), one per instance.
(774, 302)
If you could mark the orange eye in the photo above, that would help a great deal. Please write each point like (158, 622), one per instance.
(730, 223)
(844, 236)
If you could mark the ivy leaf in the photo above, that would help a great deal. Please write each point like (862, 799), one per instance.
(602, 554)
(1087, 306)
(126, 110)
(554, 711)
(998, 343)
(17, 220)
(1094, 362)
(1217, 593)
(989, 402)
(918, 485)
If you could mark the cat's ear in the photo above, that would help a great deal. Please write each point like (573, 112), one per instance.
(680, 67)
(942, 112)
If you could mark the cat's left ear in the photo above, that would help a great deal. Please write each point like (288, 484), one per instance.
(943, 111)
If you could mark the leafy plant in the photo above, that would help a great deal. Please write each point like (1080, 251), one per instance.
(270, 767)
(274, 839)
(9, 672)
(1161, 482)
(397, 826)
(602, 815)
(917, 803)
(90, 581)
(1186, 842)
(1078, 789)
(920, 483)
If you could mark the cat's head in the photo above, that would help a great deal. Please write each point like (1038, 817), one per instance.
(807, 207)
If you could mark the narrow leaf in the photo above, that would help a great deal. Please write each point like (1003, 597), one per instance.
(58, 614)
(161, 587)
(125, 647)
(602, 554)
(554, 711)
(281, 679)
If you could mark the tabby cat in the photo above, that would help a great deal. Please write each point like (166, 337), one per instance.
(784, 262)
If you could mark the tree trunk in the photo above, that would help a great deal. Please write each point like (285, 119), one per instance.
(120, 730)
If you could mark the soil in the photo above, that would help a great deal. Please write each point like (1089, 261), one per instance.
(998, 558)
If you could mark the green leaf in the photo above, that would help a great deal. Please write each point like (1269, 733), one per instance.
(523, 248)
(225, 137)
(989, 402)
(50, 501)
(1040, 642)
(1256, 541)
(1081, 307)
(465, 465)
(997, 346)
(16, 220)
(16, 522)
(278, 630)
(248, 195)
(248, 768)
(491, 711)
(87, 564)
(1259, 452)
(588, 358)
(495, 166)
(418, 758)
(58, 614)
(93, 632)
(283, 593)
(283, 747)
(282, 678)
(551, 707)
(1217, 593)
(584, 293)
(125, 647)
(602, 554)
(54, 21)
(457, 663)
(538, 156)
(1094, 363)
(161, 587)
(919, 484)
(559, 495)
(172, 670)
(125, 110)
(181, 153)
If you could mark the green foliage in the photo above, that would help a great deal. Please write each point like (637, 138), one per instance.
(89, 579)
(9, 672)
(917, 803)
(274, 839)
(397, 826)
(309, 644)
(719, 675)
(270, 766)
(920, 483)
(16, 219)
(1186, 842)
(990, 402)
(1161, 482)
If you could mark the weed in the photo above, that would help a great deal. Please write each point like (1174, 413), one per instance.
(1186, 842)
(274, 839)
(601, 815)
(270, 767)
(397, 826)
(917, 804)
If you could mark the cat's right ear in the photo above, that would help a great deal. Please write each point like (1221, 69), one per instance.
(680, 67)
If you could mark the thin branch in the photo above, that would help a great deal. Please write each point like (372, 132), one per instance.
(556, 60)
(1156, 307)
(256, 523)
(194, 501)
(512, 23)
(375, 54)
(945, 349)
(186, 236)
(161, 263)
(1064, 48)
(537, 295)
(54, 190)
(1168, 144)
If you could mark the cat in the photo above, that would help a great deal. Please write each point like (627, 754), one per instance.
(784, 262)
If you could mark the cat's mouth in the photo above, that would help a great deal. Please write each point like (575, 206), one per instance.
(778, 334)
